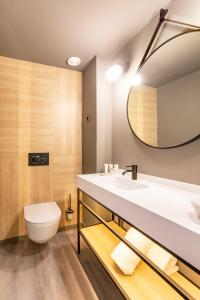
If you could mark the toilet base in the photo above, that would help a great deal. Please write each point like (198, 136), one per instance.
(40, 242)
(41, 234)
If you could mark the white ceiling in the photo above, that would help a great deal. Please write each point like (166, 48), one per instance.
(159, 70)
(48, 31)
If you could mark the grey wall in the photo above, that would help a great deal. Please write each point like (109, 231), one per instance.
(104, 115)
(97, 140)
(97, 105)
(179, 163)
(89, 110)
(178, 106)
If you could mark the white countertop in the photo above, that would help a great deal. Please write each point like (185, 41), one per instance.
(160, 207)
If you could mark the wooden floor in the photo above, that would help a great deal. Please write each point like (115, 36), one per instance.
(53, 271)
(100, 280)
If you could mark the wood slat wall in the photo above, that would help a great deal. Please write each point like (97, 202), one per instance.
(142, 112)
(40, 111)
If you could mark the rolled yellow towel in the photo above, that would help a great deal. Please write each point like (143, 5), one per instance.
(163, 259)
(124, 257)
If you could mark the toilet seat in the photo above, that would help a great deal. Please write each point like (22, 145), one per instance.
(40, 224)
(41, 214)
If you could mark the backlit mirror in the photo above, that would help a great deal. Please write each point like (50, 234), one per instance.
(164, 109)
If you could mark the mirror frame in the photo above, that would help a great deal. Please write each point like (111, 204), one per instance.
(139, 68)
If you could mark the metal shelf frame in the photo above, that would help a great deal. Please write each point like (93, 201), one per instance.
(179, 289)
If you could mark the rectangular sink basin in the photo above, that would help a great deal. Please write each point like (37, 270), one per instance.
(120, 183)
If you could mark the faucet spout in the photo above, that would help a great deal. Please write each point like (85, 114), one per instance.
(133, 170)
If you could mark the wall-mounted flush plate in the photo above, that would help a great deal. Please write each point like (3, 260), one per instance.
(38, 159)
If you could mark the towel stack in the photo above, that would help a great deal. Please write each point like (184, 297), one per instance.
(163, 259)
(127, 260)
(124, 257)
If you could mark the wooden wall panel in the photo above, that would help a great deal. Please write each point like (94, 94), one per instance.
(142, 111)
(40, 111)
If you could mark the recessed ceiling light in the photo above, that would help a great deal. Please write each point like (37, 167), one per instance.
(74, 61)
(113, 73)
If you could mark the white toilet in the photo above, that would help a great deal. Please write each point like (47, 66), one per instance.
(42, 221)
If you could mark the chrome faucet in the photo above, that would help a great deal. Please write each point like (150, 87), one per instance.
(133, 170)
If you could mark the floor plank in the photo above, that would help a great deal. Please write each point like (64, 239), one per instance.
(29, 271)
(53, 272)
(100, 280)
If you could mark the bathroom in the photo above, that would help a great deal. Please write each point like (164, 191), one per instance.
(90, 192)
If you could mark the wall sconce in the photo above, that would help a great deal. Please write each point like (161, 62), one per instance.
(113, 73)
(137, 79)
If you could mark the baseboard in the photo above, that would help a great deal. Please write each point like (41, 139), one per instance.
(14, 239)
(20, 238)
(68, 227)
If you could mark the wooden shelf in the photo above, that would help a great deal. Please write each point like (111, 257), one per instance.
(144, 283)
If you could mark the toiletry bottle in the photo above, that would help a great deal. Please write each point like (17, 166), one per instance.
(106, 168)
(110, 167)
(116, 166)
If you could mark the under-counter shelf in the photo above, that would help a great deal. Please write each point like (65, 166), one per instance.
(144, 283)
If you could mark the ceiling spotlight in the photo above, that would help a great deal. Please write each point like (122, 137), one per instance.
(113, 73)
(74, 61)
(137, 79)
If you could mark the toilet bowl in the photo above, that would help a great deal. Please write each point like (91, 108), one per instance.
(42, 221)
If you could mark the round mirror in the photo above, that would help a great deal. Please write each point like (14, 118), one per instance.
(164, 106)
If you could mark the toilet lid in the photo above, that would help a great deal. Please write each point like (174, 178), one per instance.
(41, 213)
